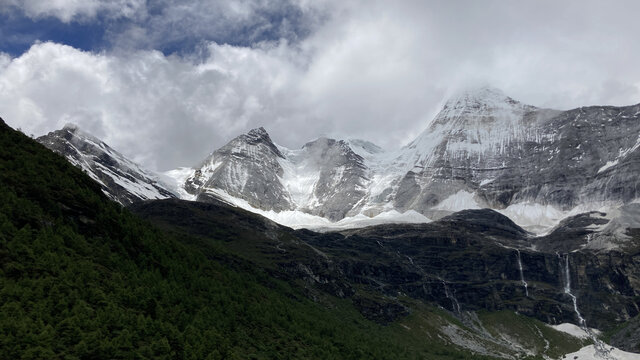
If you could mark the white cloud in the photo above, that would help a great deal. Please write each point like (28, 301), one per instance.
(161, 109)
(377, 70)
(68, 10)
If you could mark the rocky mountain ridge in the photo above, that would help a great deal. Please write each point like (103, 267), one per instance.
(121, 179)
(483, 150)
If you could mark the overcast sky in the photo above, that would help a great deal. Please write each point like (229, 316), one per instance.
(166, 82)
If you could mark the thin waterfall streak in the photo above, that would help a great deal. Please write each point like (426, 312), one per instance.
(455, 305)
(524, 283)
(600, 346)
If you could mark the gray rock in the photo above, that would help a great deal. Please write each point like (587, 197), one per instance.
(121, 179)
(341, 178)
(247, 168)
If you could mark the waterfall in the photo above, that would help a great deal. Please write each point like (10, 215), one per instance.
(567, 290)
(599, 346)
(451, 296)
(524, 283)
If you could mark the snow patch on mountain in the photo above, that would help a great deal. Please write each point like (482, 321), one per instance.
(365, 148)
(177, 179)
(535, 218)
(462, 200)
(589, 353)
(297, 219)
(614, 233)
(573, 330)
(300, 177)
(609, 164)
(623, 153)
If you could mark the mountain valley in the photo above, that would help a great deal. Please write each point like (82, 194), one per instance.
(503, 230)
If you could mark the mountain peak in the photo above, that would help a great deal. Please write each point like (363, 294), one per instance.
(483, 91)
(321, 141)
(481, 96)
(74, 131)
(259, 135)
(258, 132)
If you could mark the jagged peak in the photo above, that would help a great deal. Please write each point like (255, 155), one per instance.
(258, 132)
(254, 137)
(257, 135)
(80, 134)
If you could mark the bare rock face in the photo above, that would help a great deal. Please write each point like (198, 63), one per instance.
(583, 155)
(247, 168)
(325, 177)
(340, 177)
(478, 136)
(505, 152)
(121, 179)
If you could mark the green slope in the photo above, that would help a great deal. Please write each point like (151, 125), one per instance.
(82, 278)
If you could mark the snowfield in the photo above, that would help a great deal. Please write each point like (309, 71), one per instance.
(589, 353)
(298, 219)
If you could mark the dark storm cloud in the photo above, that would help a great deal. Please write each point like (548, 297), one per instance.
(377, 70)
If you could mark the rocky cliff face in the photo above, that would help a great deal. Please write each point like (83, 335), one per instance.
(333, 178)
(477, 136)
(479, 259)
(121, 179)
(586, 155)
(247, 168)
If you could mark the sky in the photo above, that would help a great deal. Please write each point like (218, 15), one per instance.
(166, 82)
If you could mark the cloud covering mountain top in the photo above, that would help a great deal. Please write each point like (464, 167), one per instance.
(167, 84)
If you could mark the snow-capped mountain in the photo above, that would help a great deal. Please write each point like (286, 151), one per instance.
(325, 178)
(121, 179)
(476, 137)
(247, 168)
(484, 149)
